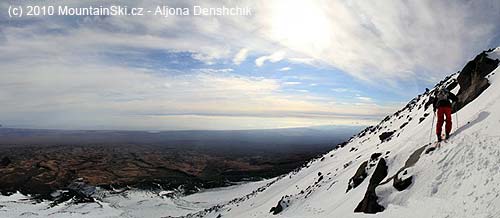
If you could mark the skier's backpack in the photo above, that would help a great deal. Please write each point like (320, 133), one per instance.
(441, 95)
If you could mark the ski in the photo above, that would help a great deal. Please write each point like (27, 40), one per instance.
(437, 144)
(432, 147)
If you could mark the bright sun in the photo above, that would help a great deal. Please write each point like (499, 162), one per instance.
(300, 24)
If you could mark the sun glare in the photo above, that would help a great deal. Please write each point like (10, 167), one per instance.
(300, 24)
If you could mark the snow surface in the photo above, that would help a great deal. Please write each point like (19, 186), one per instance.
(459, 179)
(495, 54)
(127, 204)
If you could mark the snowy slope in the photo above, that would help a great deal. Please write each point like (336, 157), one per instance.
(151, 204)
(459, 179)
(134, 203)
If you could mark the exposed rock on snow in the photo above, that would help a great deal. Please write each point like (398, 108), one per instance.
(472, 79)
(400, 183)
(385, 136)
(369, 203)
(282, 204)
(375, 156)
(358, 177)
(402, 180)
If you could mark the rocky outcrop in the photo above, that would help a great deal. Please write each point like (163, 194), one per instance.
(358, 177)
(403, 179)
(375, 156)
(369, 203)
(386, 136)
(472, 79)
(403, 125)
(400, 183)
(282, 204)
(341, 145)
(82, 188)
(78, 191)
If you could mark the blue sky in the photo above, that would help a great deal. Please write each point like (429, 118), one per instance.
(291, 63)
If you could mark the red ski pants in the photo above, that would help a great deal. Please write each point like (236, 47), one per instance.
(443, 112)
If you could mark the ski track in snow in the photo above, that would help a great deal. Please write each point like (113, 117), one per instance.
(461, 178)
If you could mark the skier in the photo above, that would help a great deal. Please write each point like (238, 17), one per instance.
(442, 102)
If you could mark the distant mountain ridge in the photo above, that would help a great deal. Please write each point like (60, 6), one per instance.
(269, 138)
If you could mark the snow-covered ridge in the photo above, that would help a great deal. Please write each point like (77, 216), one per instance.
(383, 170)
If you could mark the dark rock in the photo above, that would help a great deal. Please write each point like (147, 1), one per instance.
(369, 203)
(385, 136)
(452, 85)
(279, 207)
(358, 177)
(403, 125)
(386, 119)
(5, 162)
(401, 185)
(347, 164)
(319, 179)
(379, 174)
(421, 119)
(82, 190)
(471, 79)
(375, 156)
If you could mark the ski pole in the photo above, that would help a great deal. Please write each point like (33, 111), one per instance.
(456, 113)
(432, 125)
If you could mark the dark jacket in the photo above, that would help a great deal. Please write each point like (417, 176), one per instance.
(445, 102)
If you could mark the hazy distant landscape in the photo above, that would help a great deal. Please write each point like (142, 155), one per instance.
(42, 161)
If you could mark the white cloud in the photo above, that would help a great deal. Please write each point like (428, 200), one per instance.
(302, 60)
(384, 41)
(340, 90)
(274, 57)
(55, 71)
(215, 70)
(364, 98)
(292, 83)
(68, 93)
(285, 69)
(387, 40)
(240, 56)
